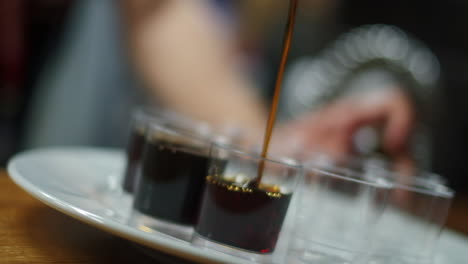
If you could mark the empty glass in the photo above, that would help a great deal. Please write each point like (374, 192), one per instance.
(238, 215)
(336, 214)
(410, 226)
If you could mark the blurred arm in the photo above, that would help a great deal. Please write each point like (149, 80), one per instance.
(331, 129)
(187, 62)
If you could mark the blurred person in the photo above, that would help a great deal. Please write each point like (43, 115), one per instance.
(374, 81)
(348, 73)
(188, 61)
(440, 109)
(396, 109)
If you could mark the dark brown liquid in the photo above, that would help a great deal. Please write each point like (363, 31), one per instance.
(172, 181)
(246, 218)
(134, 154)
(279, 80)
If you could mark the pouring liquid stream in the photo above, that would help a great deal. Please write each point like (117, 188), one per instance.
(279, 80)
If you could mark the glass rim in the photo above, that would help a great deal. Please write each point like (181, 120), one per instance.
(160, 113)
(438, 190)
(379, 182)
(418, 183)
(290, 162)
(204, 136)
(143, 113)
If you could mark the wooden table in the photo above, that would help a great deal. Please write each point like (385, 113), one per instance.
(31, 232)
(458, 215)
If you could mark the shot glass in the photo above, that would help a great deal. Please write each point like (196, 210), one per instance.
(240, 215)
(173, 170)
(337, 212)
(142, 117)
(410, 226)
(136, 141)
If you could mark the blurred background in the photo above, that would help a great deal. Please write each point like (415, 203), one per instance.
(73, 54)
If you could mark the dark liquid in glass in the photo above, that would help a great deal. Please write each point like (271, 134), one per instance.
(242, 217)
(172, 182)
(134, 154)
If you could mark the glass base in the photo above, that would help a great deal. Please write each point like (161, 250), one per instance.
(116, 203)
(399, 259)
(303, 251)
(202, 242)
(150, 224)
(304, 257)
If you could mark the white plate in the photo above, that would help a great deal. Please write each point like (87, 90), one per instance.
(84, 183)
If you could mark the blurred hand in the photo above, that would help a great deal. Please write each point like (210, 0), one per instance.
(331, 129)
